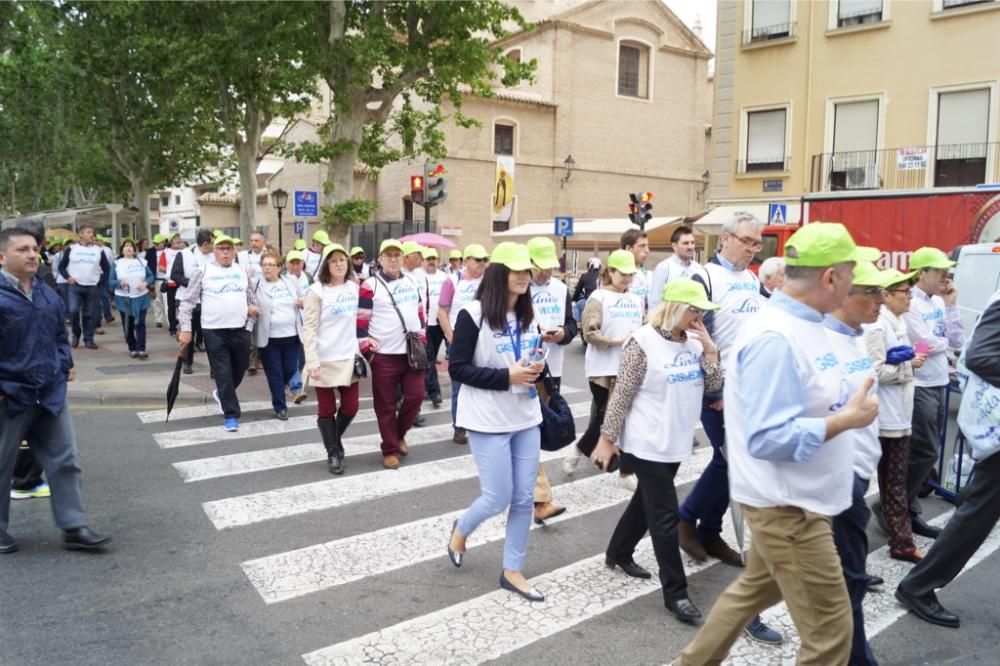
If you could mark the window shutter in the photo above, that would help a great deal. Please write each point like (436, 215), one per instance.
(766, 136)
(628, 70)
(769, 14)
(963, 118)
(855, 134)
(851, 8)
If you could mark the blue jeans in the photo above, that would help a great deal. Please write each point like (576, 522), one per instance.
(295, 384)
(709, 499)
(105, 300)
(578, 309)
(281, 359)
(852, 544)
(507, 464)
(85, 304)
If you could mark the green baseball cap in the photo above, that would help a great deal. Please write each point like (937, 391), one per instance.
(455, 254)
(158, 238)
(389, 244)
(299, 244)
(512, 255)
(543, 252)
(429, 253)
(321, 237)
(295, 255)
(822, 244)
(476, 251)
(409, 247)
(236, 241)
(894, 277)
(216, 233)
(867, 274)
(356, 250)
(223, 239)
(329, 248)
(687, 291)
(930, 257)
(622, 261)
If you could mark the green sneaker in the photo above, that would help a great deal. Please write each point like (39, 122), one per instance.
(41, 490)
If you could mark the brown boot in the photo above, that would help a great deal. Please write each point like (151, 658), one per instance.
(390, 462)
(689, 541)
(721, 550)
(546, 510)
(404, 448)
(460, 436)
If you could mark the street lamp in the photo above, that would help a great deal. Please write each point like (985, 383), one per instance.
(279, 199)
(569, 163)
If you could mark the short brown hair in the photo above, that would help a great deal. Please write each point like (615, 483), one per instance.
(271, 254)
(631, 237)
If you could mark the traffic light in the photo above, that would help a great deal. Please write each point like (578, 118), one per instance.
(434, 184)
(640, 208)
(417, 189)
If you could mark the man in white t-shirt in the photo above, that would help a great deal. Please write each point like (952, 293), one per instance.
(82, 266)
(680, 264)
(314, 253)
(435, 279)
(185, 264)
(250, 259)
(637, 242)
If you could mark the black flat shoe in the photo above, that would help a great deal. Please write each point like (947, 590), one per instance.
(875, 582)
(282, 415)
(335, 464)
(455, 556)
(84, 538)
(927, 608)
(685, 611)
(921, 527)
(530, 595)
(7, 543)
(630, 568)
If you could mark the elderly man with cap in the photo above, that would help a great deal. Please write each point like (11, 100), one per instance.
(456, 293)
(228, 314)
(554, 311)
(788, 417)
(435, 280)
(34, 369)
(314, 254)
(361, 269)
(413, 260)
(454, 262)
(860, 308)
(389, 308)
(933, 324)
(185, 264)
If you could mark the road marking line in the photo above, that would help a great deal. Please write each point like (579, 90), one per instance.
(319, 495)
(326, 565)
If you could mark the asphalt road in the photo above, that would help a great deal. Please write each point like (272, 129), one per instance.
(244, 563)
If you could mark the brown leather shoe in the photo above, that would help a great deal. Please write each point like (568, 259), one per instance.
(546, 510)
(404, 448)
(689, 541)
(720, 550)
(460, 436)
(911, 554)
(390, 462)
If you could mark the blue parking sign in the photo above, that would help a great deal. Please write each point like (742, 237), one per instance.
(306, 203)
(564, 226)
(300, 227)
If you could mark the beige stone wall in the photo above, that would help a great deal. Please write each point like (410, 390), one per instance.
(916, 48)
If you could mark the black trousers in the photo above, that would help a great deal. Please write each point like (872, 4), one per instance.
(963, 535)
(196, 335)
(852, 543)
(172, 308)
(228, 356)
(928, 412)
(588, 441)
(27, 471)
(654, 508)
(435, 336)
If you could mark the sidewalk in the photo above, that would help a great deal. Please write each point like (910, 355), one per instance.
(107, 375)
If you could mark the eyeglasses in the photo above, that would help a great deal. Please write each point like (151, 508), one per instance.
(907, 291)
(871, 292)
(748, 242)
(695, 311)
(269, 264)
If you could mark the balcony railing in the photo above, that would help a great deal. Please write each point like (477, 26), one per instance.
(768, 32)
(914, 167)
(763, 165)
(955, 4)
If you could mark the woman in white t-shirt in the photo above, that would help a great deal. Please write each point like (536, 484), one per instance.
(278, 329)
(130, 278)
(495, 354)
(611, 315)
(331, 347)
(666, 367)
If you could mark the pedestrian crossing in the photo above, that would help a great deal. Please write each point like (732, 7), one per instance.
(475, 622)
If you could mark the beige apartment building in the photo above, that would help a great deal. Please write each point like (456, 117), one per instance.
(819, 96)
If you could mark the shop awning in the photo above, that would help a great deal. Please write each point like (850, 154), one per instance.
(711, 223)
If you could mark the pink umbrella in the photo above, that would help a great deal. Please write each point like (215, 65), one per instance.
(429, 240)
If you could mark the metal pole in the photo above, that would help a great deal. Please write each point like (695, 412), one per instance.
(280, 248)
(427, 218)
(565, 258)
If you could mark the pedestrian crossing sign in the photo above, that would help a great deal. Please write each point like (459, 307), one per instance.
(777, 213)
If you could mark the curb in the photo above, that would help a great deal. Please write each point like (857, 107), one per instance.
(133, 398)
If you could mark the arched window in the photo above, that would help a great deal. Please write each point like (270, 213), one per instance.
(633, 69)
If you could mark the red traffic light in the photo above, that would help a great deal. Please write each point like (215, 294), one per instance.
(417, 183)
(633, 208)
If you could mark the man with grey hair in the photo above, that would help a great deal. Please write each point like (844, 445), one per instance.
(772, 275)
(729, 283)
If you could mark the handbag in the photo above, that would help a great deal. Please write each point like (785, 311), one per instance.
(558, 427)
(979, 413)
(416, 350)
(360, 369)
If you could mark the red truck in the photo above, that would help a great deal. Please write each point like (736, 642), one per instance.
(899, 221)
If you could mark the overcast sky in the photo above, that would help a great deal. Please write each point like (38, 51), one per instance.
(689, 10)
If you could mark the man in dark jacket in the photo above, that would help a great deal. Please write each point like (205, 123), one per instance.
(980, 509)
(34, 369)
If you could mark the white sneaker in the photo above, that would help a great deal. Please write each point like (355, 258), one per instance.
(629, 483)
(215, 395)
(570, 462)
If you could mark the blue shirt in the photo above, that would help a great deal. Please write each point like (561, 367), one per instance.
(772, 405)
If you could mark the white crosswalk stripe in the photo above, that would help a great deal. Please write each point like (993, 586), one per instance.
(212, 409)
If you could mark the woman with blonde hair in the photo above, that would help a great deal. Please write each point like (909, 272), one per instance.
(331, 347)
(279, 329)
(652, 415)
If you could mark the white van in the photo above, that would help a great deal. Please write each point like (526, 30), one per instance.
(977, 278)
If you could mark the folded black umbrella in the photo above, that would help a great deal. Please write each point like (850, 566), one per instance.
(174, 387)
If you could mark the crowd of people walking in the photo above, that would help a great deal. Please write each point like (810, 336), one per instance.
(808, 379)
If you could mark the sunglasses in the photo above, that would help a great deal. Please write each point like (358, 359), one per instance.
(696, 311)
